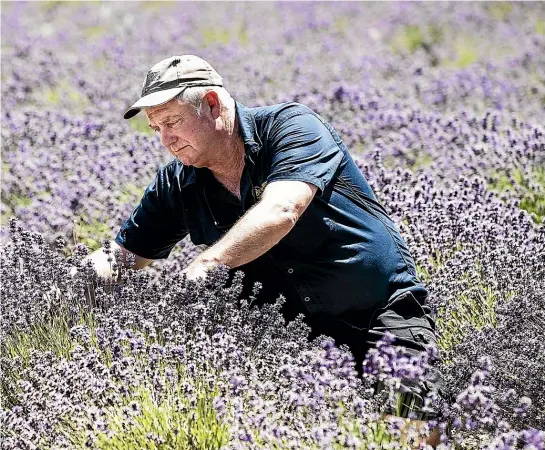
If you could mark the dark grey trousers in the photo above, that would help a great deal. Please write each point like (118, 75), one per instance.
(409, 319)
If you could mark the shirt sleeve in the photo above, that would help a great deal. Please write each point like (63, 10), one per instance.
(155, 225)
(303, 149)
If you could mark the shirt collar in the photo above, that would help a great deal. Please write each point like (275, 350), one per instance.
(248, 130)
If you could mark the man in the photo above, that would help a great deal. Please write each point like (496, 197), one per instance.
(273, 191)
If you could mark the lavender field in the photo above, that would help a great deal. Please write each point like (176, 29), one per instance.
(443, 108)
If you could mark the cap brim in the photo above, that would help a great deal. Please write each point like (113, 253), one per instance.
(154, 99)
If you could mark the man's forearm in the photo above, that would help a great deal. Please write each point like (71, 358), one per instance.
(260, 229)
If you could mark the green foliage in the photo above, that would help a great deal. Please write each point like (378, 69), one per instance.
(474, 306)
(51, 335)
(215, 36)
(20, 200)
(421, 160)
(536, 205)
(63, 92)
(503, 182)
(500, 10)
(243, 34)
(51, 4)
(6, 214)
(423, 274)
(95, 31)
(436, 34)
(169, 422)
(91, 234)
(528, 186)
(102, 62)
(157, 4)
(439, 258)
(540, 26)
(341, 24)
(436, 259)
(358, 150)
(13, 202)
(130, 193)
(413, 159)
(376, 433)
(466, 55)
(413, 37)
(237, 34)
(161, 424)
(140, 123)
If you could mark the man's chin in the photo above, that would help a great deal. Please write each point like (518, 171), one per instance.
(190, 163)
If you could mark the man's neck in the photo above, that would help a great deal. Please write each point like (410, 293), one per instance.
(230, 168)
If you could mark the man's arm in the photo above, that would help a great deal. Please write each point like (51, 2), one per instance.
(260, 229)
(103, 266)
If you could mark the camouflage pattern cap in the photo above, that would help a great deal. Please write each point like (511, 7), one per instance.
(169, 77)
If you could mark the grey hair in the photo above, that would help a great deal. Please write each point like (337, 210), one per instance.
(194, 95)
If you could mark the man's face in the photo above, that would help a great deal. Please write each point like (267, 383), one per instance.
(185, 135)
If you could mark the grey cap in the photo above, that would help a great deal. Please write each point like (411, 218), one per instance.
(166, 79)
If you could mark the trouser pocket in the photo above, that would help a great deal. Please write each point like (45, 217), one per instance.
(407, 319)
(413, 326)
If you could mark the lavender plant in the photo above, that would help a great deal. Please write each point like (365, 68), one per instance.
(441, 105)
(200, 346)
(516, 368)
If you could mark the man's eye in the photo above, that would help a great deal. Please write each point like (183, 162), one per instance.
(170, 124)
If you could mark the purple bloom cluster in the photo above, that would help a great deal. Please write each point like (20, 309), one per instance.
(269, 383)
(442, 106)
(516, 365)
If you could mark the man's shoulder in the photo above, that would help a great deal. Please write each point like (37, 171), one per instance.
(269, 120)
(279, 111)
(259, 123)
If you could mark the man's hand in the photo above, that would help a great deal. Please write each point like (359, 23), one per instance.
(103, 265)
(198, 269)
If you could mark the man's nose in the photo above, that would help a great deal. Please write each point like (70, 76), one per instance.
(167, 138)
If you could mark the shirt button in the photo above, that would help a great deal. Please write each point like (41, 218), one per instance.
(290, 270)
(307, 299)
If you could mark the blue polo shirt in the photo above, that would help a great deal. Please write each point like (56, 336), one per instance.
(344, 256)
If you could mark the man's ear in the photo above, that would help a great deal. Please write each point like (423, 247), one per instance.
(211, 100)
